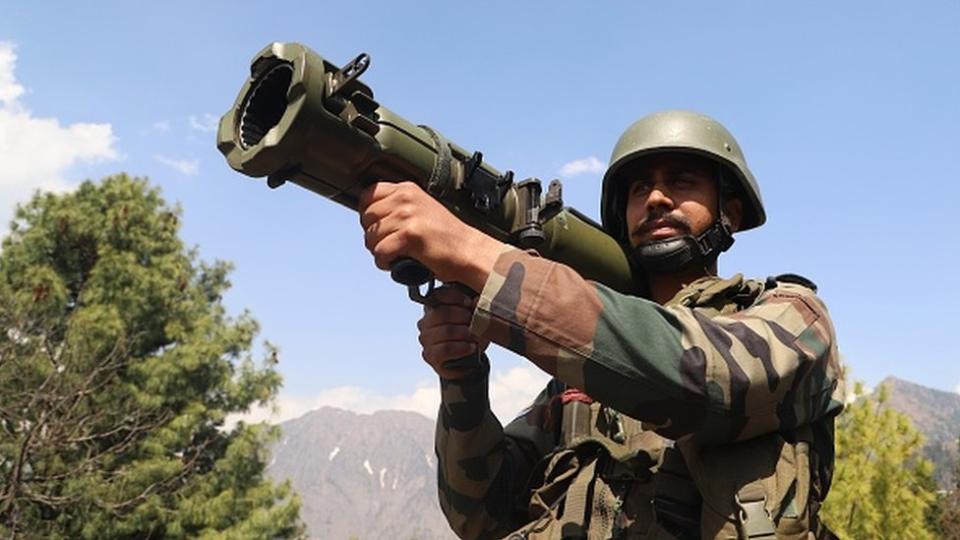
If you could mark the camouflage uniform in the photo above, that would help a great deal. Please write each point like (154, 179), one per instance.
(716, 418)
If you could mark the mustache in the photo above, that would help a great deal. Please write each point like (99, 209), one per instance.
(660, 219)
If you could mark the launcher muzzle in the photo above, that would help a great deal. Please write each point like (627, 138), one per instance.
(301, 119)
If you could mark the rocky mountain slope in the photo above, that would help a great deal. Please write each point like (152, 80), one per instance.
(937, 415)
(364, 476)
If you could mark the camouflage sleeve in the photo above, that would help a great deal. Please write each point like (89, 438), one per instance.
(484, 469)
(769, 367)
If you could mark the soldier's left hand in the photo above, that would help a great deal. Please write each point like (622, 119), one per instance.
(402, 220)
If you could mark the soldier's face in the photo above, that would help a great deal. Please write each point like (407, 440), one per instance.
(671, 195)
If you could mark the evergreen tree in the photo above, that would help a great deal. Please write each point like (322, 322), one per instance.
(949, 506)
(118, 366)
(882, 488)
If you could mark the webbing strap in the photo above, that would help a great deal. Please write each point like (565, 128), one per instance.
(553, 491)
(753, 519)
(545, 501)
(575, 509)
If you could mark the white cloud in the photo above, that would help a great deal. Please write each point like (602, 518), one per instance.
(189, 167)
(36, 152)
(590, 165)
(513, 391)
(161, 126)
(10, 90)
(510, 393)
(207, 123)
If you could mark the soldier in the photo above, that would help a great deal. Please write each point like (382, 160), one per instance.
(704, 410)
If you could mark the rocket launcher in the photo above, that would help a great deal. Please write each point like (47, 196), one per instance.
(299, 118)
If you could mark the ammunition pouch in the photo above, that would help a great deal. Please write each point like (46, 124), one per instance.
(613, 479)
(599, 484)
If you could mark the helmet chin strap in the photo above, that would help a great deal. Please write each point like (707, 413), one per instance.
(685, 252)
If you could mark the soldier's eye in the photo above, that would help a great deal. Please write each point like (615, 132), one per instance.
(685, 180)
(640, 187)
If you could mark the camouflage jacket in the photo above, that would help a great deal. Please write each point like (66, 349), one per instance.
(724, 363)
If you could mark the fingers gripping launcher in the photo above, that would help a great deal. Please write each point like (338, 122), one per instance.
(301, 119)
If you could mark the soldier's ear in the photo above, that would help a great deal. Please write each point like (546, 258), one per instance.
(733, 209)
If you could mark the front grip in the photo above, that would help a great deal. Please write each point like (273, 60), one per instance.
(410, 272)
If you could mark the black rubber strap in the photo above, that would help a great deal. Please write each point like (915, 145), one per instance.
(440, 175)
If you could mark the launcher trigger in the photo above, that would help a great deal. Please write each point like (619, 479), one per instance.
(419, 297)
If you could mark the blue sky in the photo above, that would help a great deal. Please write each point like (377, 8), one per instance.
(847, 112)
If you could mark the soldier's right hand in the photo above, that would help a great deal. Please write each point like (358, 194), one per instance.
(445, 331)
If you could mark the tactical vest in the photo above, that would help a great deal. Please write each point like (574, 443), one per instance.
(611, 478)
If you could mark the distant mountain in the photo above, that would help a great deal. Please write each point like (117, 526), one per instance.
(364, 476)
(937, 415)
(373, 476)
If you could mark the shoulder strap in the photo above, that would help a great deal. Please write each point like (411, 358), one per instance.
(795, 279)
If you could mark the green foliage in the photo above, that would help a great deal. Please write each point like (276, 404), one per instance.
(882, 488)
(118, 366)
(948, 507)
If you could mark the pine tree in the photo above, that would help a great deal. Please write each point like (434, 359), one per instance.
(949, 506)
(882, 488)
(118, 366)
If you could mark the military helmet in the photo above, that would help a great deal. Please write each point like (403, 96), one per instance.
(677, 131)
